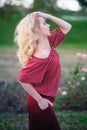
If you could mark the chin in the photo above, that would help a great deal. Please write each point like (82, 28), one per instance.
(49, 34)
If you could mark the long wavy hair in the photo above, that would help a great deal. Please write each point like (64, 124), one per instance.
(26, 37)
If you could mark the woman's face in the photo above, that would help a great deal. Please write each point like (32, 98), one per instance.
(44, 27)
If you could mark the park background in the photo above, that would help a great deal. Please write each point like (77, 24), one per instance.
(71, 100)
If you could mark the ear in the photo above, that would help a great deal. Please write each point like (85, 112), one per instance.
(36, 36)
(37, 30)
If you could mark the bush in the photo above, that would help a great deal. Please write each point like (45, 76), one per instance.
(73, 93)
(12, 97)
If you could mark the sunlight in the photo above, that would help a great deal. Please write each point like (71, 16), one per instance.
(25, 3)
(72, 5)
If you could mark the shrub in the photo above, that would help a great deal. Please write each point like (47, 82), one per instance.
(12, 97)
(73, 93)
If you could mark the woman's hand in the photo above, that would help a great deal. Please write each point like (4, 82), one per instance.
(44, 103)
(41, 14)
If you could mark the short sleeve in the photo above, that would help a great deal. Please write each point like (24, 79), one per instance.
(34, 72)
(56, 37)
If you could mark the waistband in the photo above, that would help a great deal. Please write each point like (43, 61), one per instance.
(52, 99)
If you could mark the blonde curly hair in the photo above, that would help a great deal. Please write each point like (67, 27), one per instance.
(26, 37)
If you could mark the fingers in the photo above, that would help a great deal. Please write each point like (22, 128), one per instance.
(50, 103)
(40, 14)
(37, 13)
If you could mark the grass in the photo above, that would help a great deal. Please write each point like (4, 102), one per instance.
(69, 120)
(12, 121)
(73, 120)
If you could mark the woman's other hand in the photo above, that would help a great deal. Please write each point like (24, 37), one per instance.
(44, 103)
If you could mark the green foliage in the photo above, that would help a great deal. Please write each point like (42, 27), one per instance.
(77, 34)
(68, 120)
(12, 121)
(7, 28)
(48, 6)
(12, 97)
(73, 93)
(83, 3)
(7, 11)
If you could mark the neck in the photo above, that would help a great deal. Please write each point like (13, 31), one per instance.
(43, 42)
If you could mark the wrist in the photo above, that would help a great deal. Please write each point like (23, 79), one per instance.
(39, 99)
(49, 16)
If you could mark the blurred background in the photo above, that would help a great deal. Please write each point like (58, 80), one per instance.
(71, 100)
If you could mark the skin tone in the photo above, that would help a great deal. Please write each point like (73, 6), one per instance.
(43, 50)
(43, 46)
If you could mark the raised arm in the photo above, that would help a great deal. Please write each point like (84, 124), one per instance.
(63, 25)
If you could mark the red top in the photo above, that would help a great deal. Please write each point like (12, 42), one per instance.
(44, 73)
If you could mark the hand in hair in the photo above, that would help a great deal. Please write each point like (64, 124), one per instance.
(41, 14)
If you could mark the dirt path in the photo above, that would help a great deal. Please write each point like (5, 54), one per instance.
(9, 65)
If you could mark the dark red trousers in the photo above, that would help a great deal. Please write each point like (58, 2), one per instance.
(41, 119)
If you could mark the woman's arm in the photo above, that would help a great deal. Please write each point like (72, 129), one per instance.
(64, 26)
(42, 102)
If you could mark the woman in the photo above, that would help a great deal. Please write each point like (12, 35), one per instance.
(41, 73)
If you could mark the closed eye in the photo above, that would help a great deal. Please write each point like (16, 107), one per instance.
(45, 23)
